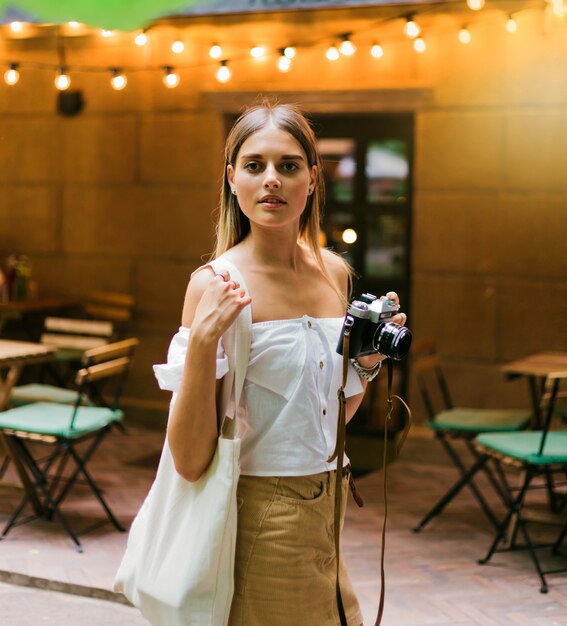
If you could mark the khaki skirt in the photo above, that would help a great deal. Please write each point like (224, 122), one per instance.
(285, 554)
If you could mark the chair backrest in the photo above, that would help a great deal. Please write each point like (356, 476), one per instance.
(112, 306)
(111, 361)
(432, 384)
(76, 334)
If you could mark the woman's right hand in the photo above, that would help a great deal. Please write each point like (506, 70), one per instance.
(220, 304)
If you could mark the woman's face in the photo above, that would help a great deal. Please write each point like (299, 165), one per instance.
(272, 178)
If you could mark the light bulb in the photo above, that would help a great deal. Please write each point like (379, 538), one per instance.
(62, 80)
(377, 51)
(419, 45)
(258, 52)
(223, 73)
(290, 52)
(349, 235)
(170, 79)
(332, 53)
(16, 27)
(118, 80)
(178, 47)
(107, 33)
(412, 28)
(475, 5)
(465, 35)
(12, 76)
(141, 39)
(347, 47)
(511, 25)
(215, 51)
(284, 63)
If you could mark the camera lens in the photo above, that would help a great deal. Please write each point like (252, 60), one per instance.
(392, 340)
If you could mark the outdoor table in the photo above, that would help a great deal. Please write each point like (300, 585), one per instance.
(539, 369)
(25, 308)
(14, 356)
(543, 371)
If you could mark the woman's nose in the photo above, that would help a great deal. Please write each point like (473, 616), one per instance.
(271, 178)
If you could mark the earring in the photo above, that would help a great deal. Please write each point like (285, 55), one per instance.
(233, 191)
(310, 191)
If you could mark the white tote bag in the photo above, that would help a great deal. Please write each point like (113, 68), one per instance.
(178, 568)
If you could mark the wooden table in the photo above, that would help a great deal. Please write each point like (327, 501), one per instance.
(544, 371)
(25, 308)
(14, 356)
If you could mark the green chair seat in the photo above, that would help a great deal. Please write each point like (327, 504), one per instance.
(524, 446)
(47, 418)
(36, 392)
(480, 420)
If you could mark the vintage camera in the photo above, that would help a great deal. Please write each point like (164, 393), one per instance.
(370, 330)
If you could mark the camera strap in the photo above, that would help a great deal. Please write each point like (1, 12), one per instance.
(338, 454)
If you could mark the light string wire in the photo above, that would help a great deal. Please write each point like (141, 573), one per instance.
(406, 12)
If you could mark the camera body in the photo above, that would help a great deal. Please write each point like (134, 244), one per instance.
(370, 330)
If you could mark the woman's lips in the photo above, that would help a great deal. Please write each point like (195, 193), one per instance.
(272, 201)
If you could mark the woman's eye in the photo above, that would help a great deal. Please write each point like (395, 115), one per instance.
(289, 167)
(252, 166)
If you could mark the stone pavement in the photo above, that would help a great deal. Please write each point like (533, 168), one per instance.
(431, 578)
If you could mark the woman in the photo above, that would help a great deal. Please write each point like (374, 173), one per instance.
(269, 229)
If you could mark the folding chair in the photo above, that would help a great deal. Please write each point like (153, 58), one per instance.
(66, 428)
(71, 337)
(454, 423)
(535, 453)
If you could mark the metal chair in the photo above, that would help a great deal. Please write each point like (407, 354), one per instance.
(66, 428)
(452, 423)
(535, 453)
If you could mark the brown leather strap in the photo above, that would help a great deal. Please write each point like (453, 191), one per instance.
(339, 455)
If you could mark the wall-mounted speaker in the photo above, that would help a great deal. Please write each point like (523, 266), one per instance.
(70, 103)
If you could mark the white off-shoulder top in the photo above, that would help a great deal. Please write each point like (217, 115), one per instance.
(288, 412)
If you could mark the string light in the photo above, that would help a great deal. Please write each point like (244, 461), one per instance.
(141, 39)
(284, 62)
(412, 28)
(73, 24)
(332, 53)
(465, 35)
(215, 51)
(170, 79)
(377, 51)
(118, 80)
(62, 80)
(557, 8)
(419, 45)
(290, 52)
(349, 235)
(347, 47)
(178, 47)
(511, 25)
(107, 33)
(475, 5)
(223, 73)
(16, 27)
(258, 52)
(12, 76)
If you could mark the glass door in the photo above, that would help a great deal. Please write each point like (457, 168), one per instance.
(367, 162)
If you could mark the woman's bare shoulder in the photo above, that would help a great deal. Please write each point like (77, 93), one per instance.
(337, 269)
(198, 282)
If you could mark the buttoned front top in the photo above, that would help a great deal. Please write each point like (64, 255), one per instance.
(288, 413)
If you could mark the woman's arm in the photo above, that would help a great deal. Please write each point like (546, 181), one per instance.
(212, 304)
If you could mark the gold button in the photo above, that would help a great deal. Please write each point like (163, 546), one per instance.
(321, 365)
(324, 411)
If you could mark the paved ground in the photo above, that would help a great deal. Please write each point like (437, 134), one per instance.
(432, 578)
